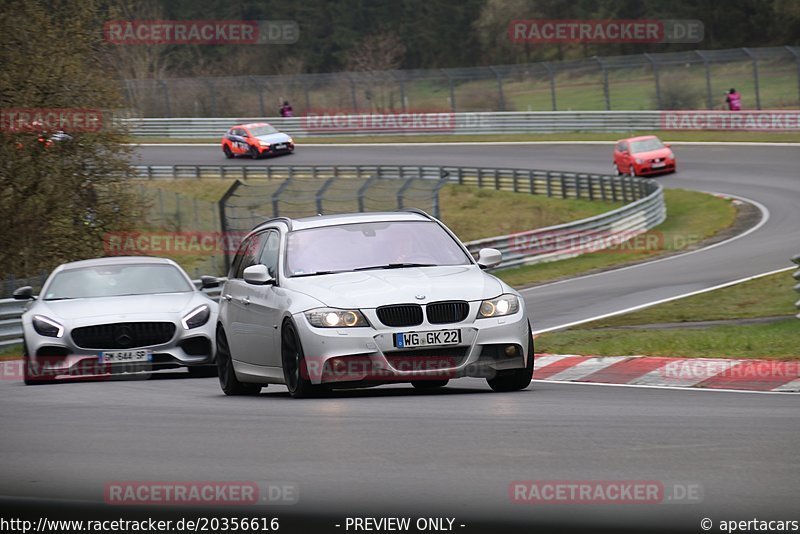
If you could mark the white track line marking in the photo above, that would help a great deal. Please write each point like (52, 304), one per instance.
(663, 301)
(674, 388)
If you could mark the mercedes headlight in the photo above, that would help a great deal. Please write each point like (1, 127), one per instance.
(45, 326)
(197, 317)
(497, 307)
(332, 318)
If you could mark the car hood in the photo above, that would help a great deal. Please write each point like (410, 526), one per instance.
(370, 289)
(129, 306)
(278, 137)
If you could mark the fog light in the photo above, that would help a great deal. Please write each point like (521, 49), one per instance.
(339, 366)
(511, 351)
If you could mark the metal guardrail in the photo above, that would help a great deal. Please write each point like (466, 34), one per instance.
(645, 210)
(456, 123)
(796, 276)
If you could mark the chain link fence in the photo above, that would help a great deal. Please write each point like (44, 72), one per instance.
(767, 78)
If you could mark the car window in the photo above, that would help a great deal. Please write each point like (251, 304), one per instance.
(116, 280)
(646, 145)
(269, 256)
(364, 245)
(247, 255)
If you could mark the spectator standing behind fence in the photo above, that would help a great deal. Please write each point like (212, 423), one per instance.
(286, 109)
(734, 100)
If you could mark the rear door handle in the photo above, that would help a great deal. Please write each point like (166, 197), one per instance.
(246, 301)
(227, 298)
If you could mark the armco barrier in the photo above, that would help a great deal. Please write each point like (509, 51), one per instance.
(461, 123)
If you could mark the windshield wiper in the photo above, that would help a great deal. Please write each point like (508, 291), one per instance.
(315, 273)
(395, 266)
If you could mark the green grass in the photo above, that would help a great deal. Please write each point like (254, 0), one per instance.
(769, 296)
(11, 353)
(691, 218)
(778, 340)
(669, 136)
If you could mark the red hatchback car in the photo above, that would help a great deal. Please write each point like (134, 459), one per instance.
(256, 140)
(642, 156)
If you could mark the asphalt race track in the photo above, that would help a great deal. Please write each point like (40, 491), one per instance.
(394, 450)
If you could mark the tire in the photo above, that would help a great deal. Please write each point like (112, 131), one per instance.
(203, 371)
(293, 361)
(429, 384)
(227, 150)
(254, 152)
(516, 379)
(615, 168)
(632, 171)
(227, 376)
(28, 375)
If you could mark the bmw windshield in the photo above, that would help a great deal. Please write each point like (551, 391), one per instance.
(115, 281)
(378, 245)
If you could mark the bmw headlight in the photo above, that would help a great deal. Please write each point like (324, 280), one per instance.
(333, 318)
(497, 307)
(45, 326)
(197, 317)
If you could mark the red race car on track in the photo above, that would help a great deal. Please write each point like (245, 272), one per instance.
(642, 156)
(256, 140)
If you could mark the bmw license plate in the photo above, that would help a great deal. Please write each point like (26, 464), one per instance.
(658, 164)
(280, 146)
(408, 340)
(126, 356)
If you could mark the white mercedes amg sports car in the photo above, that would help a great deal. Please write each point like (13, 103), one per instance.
(363, 299)
(113, 315)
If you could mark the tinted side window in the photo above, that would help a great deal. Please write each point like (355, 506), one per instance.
(269, 256)
(248, 254)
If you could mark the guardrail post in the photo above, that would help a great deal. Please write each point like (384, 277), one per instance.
(223, 221)
(500, 97)
(754, 59)
(796, 276)
(606, 93)
(656, 75)
(709, 102)
(797, 65)
(549, 181)
(552, 77)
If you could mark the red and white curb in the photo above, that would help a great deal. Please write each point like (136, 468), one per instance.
(709, 373)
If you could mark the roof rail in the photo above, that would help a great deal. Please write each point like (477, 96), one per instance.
(285, 220)
(418, 212)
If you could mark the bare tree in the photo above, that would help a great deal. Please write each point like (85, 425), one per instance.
(374, 59)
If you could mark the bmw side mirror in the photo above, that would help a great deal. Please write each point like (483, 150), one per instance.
(257, 275)
(23, 293)
(207, 282)
(489, 257)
